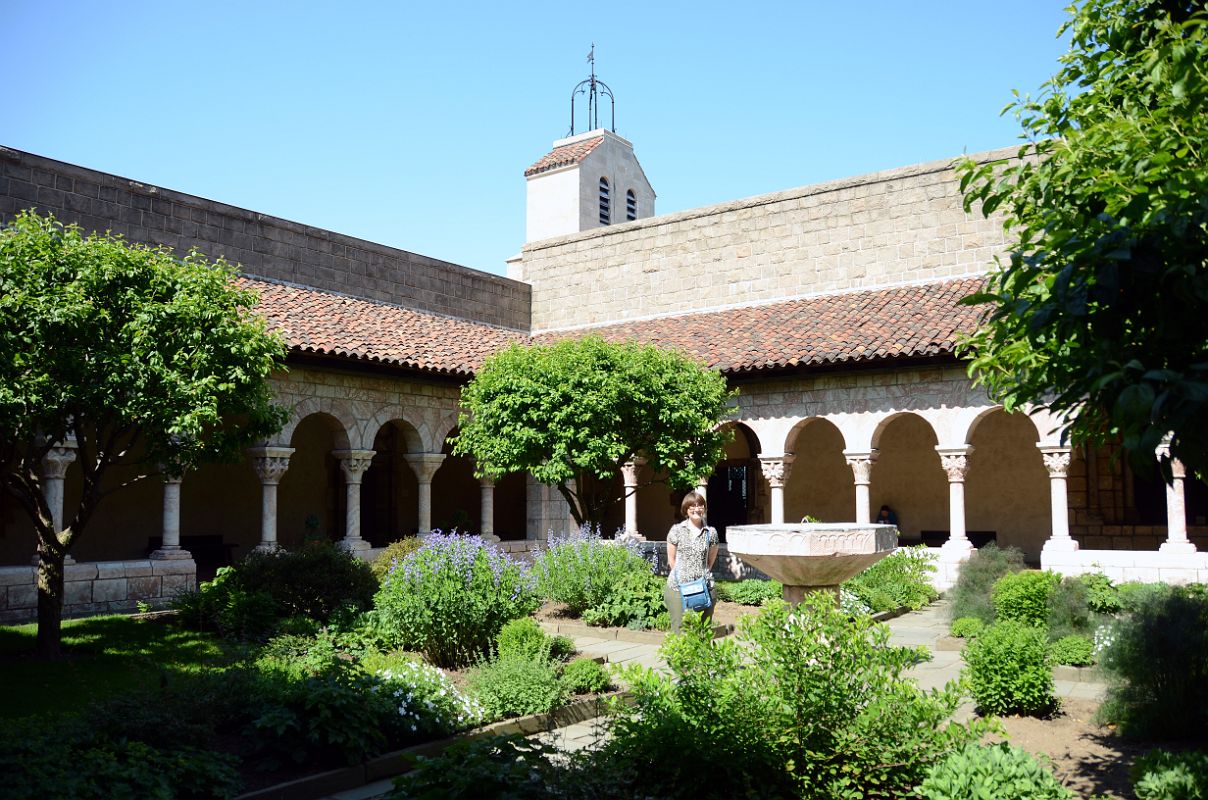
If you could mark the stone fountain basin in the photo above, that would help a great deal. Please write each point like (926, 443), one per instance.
(812, 554)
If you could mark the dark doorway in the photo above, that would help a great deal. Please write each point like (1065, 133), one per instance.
(730, 493)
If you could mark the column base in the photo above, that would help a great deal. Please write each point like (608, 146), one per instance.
(357, 545)
(170, 554)
(630, 536)
(266, 547)
(1177, 547)
(1066, 545)
(960, 546)
(492, 538)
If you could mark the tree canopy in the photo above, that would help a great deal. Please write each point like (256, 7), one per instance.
(141, 357)
(573, 412)
(1100, 312)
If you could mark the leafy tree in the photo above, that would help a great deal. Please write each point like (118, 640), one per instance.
(573, 412)
(146, 360)
(1101, 310)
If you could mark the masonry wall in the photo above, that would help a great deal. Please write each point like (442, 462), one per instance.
(264, 246)
(876, 230)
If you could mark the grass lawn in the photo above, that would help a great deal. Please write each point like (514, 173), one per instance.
(102, 657)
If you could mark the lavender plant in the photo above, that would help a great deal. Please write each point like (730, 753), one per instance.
(450, 598)
(583, 570)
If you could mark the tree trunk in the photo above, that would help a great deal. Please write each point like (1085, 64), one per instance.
(50, 602)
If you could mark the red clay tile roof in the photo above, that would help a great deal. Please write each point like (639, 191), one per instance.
(866, 326)
(314, 321)
(900, 322)
(565, 155)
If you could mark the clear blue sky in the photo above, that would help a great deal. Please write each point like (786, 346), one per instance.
(411, 124)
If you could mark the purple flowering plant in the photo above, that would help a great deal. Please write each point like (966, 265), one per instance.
(450, 598)
(583, 570)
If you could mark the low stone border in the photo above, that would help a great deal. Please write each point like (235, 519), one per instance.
(1078, 674)
(398, 762)
(620, 634)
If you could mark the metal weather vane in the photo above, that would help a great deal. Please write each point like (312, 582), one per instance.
(594, 88)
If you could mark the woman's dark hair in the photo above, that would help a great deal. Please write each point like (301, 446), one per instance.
(692, 499)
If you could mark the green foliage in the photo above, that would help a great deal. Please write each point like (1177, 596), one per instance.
(582, 570)
(426, 701)
(1102, 596)
(803, 702)
(301, 656)
(1073, 651)
(451, 598)
(561, 647)
(1162, 775)
(515, 687)
(1100, 311)
(1134, 594)
(584, 676)
(523, 638)
(966, 627)
(570, 414)
(483, 768)
(752, 592)
(635, 602)
(1008, 670)
(1024, 596)
(394, 553)
(998, 771)
(142, 357)
(1069, 611)
(1157, 663)
(971, 594)
(901, 579)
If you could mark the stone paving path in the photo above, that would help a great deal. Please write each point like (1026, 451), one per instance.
(926, 627)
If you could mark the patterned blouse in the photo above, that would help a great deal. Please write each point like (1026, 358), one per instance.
(691, 551)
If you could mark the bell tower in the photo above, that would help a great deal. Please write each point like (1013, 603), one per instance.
(590, 179)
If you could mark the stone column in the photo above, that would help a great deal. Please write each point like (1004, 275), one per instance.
(486, 486)
(776, 470)
(1057, 462)
(955, 462)
(425, 466)
(1176, 509)
(54, 474)
(629, 472)
(353, 464)
(271, 464)
(170, 549)
(861, 470)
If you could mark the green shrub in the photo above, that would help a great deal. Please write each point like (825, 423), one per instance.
(998, 771)
(1008, 669)
(515, 687)
(1162, 775)
(314, 581)
(561, 648)
(1069, 611)
(636, 601)
(583, 571)
(1073, 651)
(802, 702)
(752, 592)
(1134, 594)
(901, 579)
(971, 594)
(523, 638)
(301, 656)
(584, 676)
(428, 704)
(966, 627)
(1024, 596)
(487, 767)
(394, 554)
(1102, 596)
(451, 598)
(1157, 665)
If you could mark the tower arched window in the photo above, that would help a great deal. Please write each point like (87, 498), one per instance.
(631, 205)
(605, 202)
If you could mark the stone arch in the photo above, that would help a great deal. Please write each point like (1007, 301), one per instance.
(442, 430)
(889, 419)
(338, 411)
(410, 430)
(1007, 486)
(906, 475)
(456, 497)
(311, 500)
(389, 488)
(819, 483)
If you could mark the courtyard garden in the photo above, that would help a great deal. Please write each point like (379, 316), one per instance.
(292, 663)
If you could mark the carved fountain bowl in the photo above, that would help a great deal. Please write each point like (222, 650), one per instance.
(811, 555)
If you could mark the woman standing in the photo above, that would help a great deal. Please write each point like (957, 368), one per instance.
(691, 552)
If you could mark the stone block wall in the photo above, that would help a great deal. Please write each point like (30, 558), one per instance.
(264, 246)
(875, 230)
(103, 587)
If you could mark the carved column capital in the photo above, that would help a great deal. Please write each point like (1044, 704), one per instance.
(861, 465)
(629, 471)
(1056, 460)
(425, 465)
(270, 463)
(955, 462)
(354, 463)
(58, 459)
(776, 468)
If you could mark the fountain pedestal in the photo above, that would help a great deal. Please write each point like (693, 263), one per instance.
(811, 556)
